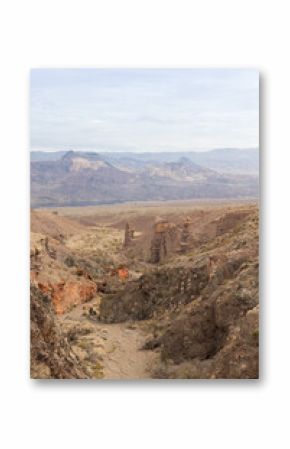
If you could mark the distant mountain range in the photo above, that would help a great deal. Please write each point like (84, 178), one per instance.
(87, 178)
(225, 160)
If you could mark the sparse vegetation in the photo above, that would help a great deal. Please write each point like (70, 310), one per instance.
(193, 315)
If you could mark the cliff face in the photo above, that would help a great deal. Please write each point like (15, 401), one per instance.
(51, 353)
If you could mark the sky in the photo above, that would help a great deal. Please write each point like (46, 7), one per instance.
(144, 110)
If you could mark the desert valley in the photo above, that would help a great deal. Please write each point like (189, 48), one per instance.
(130, 282)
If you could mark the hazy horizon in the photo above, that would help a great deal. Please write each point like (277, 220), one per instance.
(91, 150)
(144, 110)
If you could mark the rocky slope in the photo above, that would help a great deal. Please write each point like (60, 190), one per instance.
(51, 355)
(203, 306)
(69, 260)
(191, 314)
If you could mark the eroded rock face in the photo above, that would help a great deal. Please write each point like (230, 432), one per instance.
(155, 293)
(62, 277)
(191, 336)
(51, 353)
(239, 357)
(219, 327)
(65, 295)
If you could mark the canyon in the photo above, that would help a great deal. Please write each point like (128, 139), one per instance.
(145, 290)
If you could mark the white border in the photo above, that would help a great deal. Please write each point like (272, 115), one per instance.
(133, 34)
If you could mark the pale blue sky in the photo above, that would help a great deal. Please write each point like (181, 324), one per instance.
(144, 109)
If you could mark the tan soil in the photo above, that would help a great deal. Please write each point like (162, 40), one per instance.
(120, 346)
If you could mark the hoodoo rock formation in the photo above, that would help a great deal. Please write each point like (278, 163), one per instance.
(164, 240)
(129, 235)
(185, 238)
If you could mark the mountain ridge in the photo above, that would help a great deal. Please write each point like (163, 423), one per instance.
(223, 160)
(81, 178)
